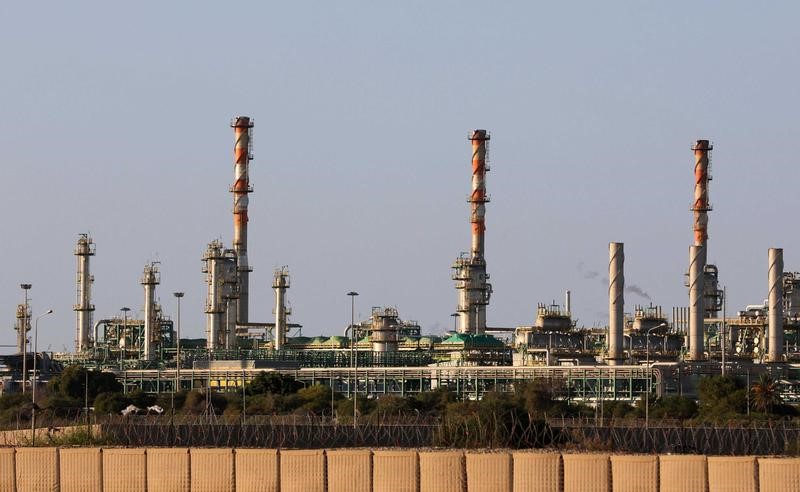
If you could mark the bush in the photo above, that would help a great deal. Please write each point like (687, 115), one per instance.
(344, 408)
(110, 403)
(261, 404)
(197, 403)
(618, 409)
(432, 402)
(392, 405)
(313, 399)
(141, 399)
(671, 407)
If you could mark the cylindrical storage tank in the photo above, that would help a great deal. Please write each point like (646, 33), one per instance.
(551, 322)
(616, 302)
(697, 261)
(775, 305)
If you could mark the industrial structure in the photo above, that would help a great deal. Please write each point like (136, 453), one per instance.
(84, 307)
(469, 269)
(242, 154)
(638, 353)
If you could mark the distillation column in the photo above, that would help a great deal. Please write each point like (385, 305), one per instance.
(219, 265)
(280, 284)
(470, 271)
(241, 188)
(775, 305)
(150, 278)
(616, 302)
(23, 326)
(698, 251)
(84, 307)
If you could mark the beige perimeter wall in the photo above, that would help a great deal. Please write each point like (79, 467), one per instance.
(401, 470)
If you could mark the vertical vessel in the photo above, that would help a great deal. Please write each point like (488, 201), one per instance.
(219, 265)
(23, 326)
(150, 278)
(84, 308)
(280, 284)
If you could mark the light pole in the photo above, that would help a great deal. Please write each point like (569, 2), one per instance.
(354, 354)
(649, 377)
(33, 377)
(25, 328)
(178, 296)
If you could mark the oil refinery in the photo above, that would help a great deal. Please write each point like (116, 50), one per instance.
(644, 350)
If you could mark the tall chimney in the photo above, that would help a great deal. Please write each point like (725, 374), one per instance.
(280, 284)
(84, 307)
(470, 270)
(616, 302)
(242, 126)
(698, 252)
(775, 305)
(697, 259)
(150, 278)
(568, 302)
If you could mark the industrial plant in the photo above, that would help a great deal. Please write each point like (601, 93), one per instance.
(645, 350)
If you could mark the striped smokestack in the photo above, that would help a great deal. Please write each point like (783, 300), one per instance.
(698, 252)
(242, 126)
(469, 272)
(478, 197)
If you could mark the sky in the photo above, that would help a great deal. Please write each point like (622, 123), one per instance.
(114, 120)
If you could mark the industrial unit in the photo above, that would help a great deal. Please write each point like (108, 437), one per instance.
(639, 353)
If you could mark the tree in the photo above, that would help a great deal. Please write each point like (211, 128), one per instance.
(274, 383)
(765, 394)
(721, 397)
(71, 383)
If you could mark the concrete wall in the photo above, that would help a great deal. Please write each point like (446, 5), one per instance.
(364, 470)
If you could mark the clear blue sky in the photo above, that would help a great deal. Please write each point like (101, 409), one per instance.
(114, 120)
